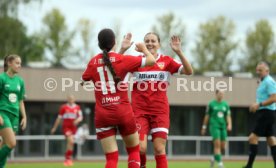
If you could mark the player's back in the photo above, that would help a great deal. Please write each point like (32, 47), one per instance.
(111, 97)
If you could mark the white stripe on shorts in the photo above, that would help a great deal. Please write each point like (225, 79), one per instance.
(104, 129)
(154, 130)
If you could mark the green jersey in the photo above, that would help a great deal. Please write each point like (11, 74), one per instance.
(218, 111)
(12, 91)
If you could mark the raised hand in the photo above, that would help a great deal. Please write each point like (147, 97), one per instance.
(127, 43)
(175, 44)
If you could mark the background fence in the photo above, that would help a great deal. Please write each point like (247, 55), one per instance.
(45, 147)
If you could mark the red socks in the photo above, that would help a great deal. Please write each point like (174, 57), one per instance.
(161, 161)
(68, 154)
(134, 157)
(143, 158)
(112, 159)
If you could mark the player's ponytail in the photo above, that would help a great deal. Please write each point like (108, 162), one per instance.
(106, 38)
(8, 59)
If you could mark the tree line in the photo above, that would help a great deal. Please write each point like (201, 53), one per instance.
(215, 48)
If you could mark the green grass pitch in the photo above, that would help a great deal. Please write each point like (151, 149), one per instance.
(150, 164)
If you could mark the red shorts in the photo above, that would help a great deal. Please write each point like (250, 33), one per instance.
(69, 130)
(108, 126)
(156, 125)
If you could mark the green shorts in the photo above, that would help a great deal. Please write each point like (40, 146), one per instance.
(10, 121)
(218, 133)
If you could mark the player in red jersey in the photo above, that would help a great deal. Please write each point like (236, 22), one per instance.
(149, 98)
(71, 115)
(113, 111)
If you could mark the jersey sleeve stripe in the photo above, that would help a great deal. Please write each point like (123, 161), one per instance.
(143, 62)
(180, 69)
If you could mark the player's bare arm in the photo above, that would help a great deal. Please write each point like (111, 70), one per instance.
(53, 130)
(176, 47)
(204, 125)
(23, 122)
(229, 123)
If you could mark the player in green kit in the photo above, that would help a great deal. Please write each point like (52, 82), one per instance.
(219, 117)
(12, 91)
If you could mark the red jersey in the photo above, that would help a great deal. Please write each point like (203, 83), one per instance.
(149, 91)
(111, 99)
(69, 113)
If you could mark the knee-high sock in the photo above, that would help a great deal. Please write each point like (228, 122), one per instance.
(134, 157)
(253, 150)
(68, 154)
(161, 161)
(112, 159)
(143, 158)
(4, 153)
(273, 153)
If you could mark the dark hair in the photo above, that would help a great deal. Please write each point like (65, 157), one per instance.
(8, 59)
(106, 39)
(158, 37)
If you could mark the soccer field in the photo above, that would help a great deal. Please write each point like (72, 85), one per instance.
(176, 164)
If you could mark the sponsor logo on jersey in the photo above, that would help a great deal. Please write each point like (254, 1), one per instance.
(12, 97)
(7, 85)
(69, 115)
(161, 65)
(152, 76)
(220, 114)
(111, 99)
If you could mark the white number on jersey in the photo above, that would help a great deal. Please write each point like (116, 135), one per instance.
(103, 81)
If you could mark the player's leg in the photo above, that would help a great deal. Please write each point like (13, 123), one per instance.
(9, 140)
(110, 149)
(75, 151)
(107, 137)
(159, 144)
(128, 131)
(143, 129)
(159, 132)
(216, 134)
(69, 149)
(223, 138)
(253, 149)
(222, 149)
(270, 130)
(271, 141)
(143, 149)
(69, 137)
(132, 146)
(259, 130)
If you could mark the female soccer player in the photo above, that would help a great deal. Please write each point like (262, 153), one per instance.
(113, 111)
(71, 115)
(12, 91)
(219, 117)
(149, 99)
